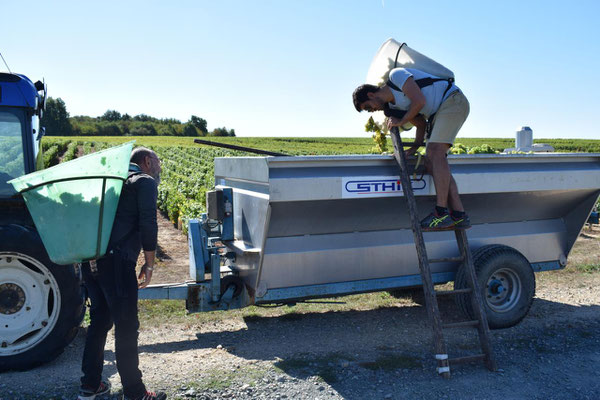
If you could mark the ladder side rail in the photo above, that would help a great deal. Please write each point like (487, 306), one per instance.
(476, 299)
(430, 299)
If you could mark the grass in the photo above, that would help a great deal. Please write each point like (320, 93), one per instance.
(153, 309)
(588, 268)
(174, 312)
(322, 145)
(584, 258)
(295, 146)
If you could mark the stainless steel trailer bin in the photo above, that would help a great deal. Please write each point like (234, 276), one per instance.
(322, 226)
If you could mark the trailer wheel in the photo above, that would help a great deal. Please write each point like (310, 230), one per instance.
(41, 303)
(507, 284)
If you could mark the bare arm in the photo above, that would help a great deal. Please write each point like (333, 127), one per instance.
(417, 102)
(146, 272)
(419, 123)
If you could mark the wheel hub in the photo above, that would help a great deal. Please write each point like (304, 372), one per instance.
(30, 303)
(504, 289)
(12, 298)
(496, 287)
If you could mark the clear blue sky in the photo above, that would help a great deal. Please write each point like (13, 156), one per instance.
(288, 68)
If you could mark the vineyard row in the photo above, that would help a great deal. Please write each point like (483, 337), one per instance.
(188, 171)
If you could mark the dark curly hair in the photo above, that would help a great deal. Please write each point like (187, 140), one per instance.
(360, 94)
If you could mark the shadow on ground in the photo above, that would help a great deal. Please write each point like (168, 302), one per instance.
(373, 353)
(392, 347)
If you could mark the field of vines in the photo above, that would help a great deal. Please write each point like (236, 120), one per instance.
(188, 167)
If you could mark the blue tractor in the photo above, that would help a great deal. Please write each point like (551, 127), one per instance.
(41, 303)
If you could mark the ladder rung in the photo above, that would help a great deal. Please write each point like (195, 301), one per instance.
(461, 324)
(447, 259)
(411, 144)
(450, 292)
(466, 359)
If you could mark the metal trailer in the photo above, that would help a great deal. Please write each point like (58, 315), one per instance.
(285, 229)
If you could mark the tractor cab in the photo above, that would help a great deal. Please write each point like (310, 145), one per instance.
(21, 105)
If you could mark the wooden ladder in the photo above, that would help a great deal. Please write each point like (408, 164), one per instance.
(431, 295)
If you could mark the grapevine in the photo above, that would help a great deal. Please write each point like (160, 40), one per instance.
(188, 169)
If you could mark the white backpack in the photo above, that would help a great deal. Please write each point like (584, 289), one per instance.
(392, 55)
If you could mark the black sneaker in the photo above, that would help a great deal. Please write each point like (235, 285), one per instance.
(463, 222)
(148, 396)
(437, 222)
(87, 393)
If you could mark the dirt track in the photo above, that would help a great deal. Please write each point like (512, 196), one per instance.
(378, 353)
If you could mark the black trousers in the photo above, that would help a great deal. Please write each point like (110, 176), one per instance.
(113, 296)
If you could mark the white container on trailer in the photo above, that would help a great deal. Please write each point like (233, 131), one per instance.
(524, 143)
(524, 137)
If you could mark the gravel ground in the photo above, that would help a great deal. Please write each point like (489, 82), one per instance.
(377, 353)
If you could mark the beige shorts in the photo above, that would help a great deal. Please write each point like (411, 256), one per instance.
(449, 118)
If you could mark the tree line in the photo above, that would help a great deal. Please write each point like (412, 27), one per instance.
(57, 122)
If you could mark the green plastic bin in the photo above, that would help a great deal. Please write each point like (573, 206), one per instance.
(73, 204)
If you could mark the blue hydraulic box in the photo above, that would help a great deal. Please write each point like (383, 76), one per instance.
(198, 250)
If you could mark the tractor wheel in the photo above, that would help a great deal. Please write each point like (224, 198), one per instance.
(41, 303)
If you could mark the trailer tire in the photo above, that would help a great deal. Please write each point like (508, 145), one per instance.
(41, 303)
(506, 282)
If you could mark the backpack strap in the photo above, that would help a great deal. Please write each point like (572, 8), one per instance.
(423, 82)
(393, 85)
(128, 235)
(393, 112)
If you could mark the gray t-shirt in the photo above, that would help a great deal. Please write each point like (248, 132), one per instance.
(434, 94)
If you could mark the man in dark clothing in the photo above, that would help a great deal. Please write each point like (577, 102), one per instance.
(112, 285)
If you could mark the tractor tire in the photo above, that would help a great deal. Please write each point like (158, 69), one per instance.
(506, 283)
(41, 303)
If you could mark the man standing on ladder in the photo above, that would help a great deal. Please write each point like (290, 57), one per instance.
(432, 105)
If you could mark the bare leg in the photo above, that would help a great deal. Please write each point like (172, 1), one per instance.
(453, 198)
(436, 153)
